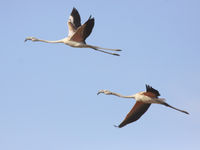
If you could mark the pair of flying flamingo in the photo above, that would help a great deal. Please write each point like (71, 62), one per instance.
(76, 38)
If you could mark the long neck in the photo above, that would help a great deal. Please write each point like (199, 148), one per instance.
(58, 41)
(119, 95)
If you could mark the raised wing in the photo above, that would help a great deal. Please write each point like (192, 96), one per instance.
(83, 31)
(74, 22)
(136, 112)
(152, 90)
(75, 18)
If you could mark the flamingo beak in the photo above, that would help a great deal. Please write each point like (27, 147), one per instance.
(99, 92)
(26, 39)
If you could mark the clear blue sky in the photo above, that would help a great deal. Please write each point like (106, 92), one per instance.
(48, 92)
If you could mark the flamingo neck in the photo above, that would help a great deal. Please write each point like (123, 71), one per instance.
(57, 41)
(119, 95)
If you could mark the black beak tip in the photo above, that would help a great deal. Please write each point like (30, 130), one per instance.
(25, 40)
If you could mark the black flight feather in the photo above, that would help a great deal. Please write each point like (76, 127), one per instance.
(152, 90)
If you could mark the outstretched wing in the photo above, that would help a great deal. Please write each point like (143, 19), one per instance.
(74, 21)
(83, 31)
(152, 90)
(136, 112)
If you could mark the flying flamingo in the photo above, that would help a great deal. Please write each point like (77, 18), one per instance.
(143, 101)
(77, 34)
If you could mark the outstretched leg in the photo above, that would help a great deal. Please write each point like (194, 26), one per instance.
(107, 48)
(115, 54)
(97, 47)
(100, 49)
(183, 111)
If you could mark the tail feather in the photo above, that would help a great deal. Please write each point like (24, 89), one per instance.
(160, 100)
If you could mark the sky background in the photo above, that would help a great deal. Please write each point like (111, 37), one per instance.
(48, 92)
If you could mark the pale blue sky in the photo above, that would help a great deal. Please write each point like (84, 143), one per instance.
(48, 92)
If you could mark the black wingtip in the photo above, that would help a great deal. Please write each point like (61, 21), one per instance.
(150, 89)
(147, 86)
(91, 18)
(74, 11)
(74, 8)
(77, 19)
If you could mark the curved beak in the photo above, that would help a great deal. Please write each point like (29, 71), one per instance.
(99, 92)
(26, 39)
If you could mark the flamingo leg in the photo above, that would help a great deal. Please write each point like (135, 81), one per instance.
(183, 111)
(100, 48)
(115, 54)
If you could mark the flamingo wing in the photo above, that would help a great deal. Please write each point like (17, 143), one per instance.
(149, 89)
(136, 112)
(74, 21)
(83, 31)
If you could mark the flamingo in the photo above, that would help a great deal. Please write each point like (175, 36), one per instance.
(77, 34)
(143, 102)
